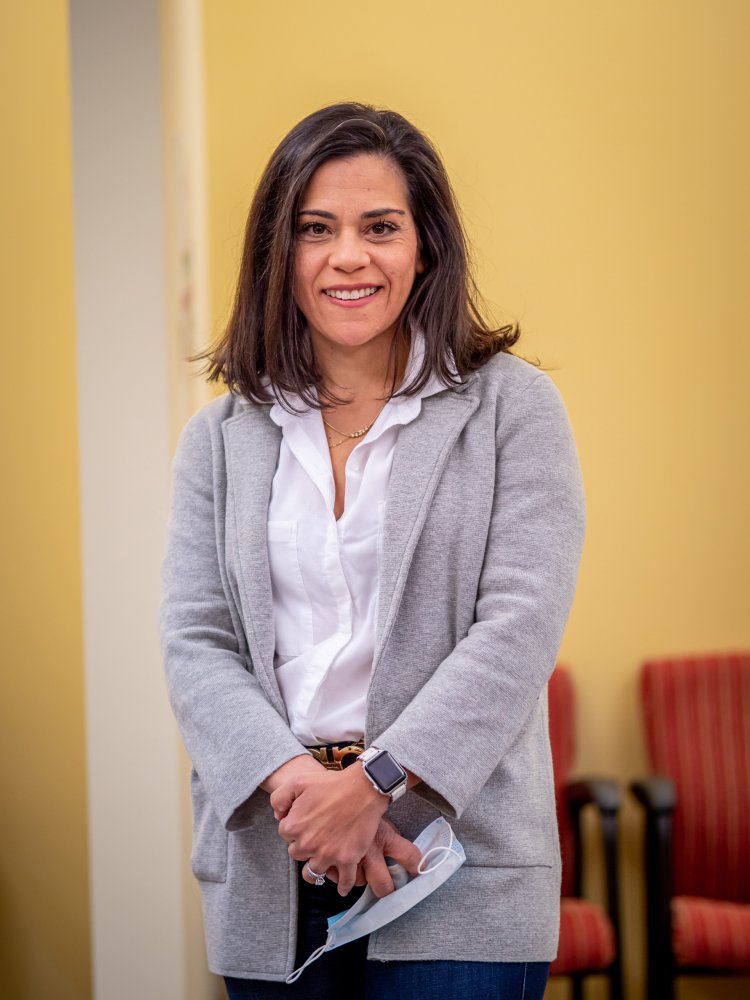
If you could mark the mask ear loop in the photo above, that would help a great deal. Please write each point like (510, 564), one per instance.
(445, 851)
(294, 976)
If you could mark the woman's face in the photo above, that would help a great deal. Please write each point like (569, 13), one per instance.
(356, 252)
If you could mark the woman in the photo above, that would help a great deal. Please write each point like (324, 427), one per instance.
(374, 542)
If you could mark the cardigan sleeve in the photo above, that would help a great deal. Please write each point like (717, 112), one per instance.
(489, 684)
(233, 735)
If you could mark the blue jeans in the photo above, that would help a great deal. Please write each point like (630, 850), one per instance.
(408, 981)
(345, 973)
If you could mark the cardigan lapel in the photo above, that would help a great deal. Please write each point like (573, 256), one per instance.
(422, 450)
(252, 443)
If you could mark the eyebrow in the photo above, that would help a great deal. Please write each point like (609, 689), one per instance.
(374, 214)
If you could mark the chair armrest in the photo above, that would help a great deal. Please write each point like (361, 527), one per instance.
(655, 794)
(604, 793)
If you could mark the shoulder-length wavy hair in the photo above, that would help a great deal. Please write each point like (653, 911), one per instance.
(266, 339)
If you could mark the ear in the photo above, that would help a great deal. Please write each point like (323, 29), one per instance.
(420, 264)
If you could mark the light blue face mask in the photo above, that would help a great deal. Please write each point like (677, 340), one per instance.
(369, 913)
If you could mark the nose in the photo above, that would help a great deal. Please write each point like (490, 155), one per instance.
(349, 252)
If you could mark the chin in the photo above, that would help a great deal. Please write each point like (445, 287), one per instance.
(355, 338)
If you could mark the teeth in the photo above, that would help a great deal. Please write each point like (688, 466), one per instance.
(357, 293)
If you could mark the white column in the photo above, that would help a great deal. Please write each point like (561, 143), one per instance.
(135, 771)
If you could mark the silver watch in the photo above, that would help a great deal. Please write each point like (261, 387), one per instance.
(384, 772)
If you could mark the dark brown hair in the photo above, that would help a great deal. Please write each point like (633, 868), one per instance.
(266, 334)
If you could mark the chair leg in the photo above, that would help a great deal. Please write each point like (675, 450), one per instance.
(661, 980)
(577, 990)
(615, 981)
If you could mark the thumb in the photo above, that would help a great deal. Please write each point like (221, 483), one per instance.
(402, 850)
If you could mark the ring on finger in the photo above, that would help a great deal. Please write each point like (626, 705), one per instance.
(319, 879)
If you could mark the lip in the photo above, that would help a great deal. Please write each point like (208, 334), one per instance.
(352, 288)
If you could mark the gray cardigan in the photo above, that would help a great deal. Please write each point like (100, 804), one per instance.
(481, 540)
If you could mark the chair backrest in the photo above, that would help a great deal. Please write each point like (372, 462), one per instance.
(697, 716)
(562, 738)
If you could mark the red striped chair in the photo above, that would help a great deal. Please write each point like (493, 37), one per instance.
(589, 934)
(697, 845)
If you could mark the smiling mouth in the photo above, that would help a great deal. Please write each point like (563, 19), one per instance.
(346, 295)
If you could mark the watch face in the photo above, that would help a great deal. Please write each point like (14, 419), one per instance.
(386, 772)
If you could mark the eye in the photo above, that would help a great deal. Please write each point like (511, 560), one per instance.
(313, 229)
(383, 228)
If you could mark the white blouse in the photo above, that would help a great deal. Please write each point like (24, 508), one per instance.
(325, 572)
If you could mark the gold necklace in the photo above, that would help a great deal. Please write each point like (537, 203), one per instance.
(355, 434)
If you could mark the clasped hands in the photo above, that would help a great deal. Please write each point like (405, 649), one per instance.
(335, 821)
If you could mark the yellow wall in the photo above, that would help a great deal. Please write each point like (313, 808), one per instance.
(601, 154)
(44, 931)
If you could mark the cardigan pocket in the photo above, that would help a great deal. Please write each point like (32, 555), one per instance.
(208, 859)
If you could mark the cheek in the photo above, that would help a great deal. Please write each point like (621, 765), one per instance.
(309, 263)
(411, 268)
(301, 284)
(404, 271)
(412, 264)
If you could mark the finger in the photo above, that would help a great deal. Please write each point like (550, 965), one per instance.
(287, 831)
(347, 878)
(403, 851)
(359, 879)
(280, 813)
(299, 854)
(291, 827)
(307, 871)
(283, 797)
(376, 871)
